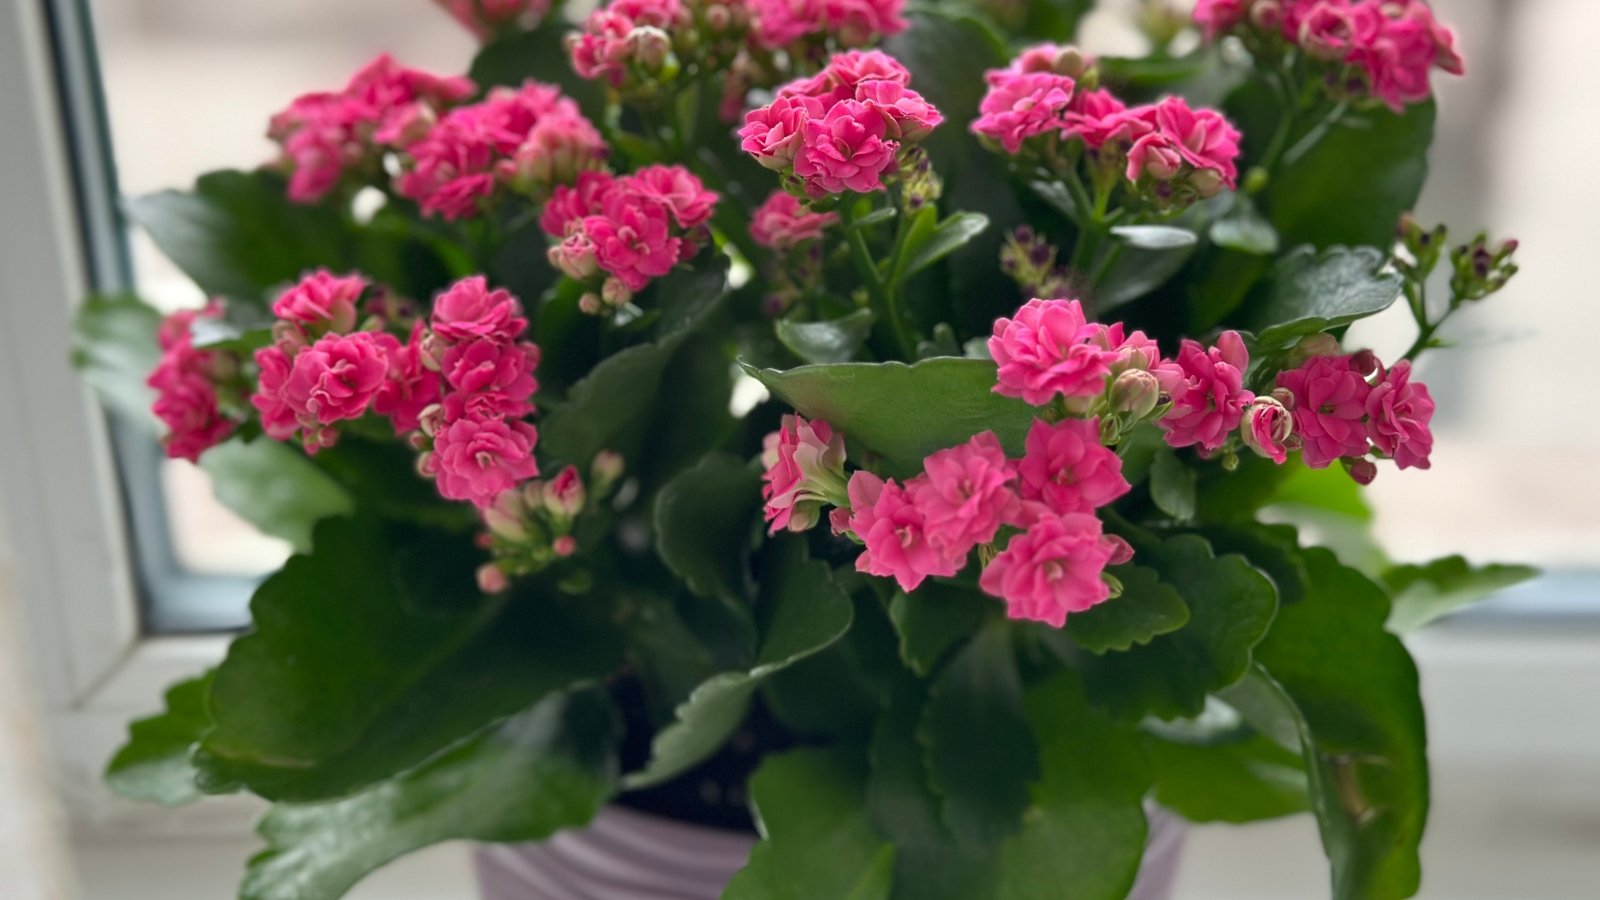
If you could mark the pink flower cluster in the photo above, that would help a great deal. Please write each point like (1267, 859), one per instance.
(481, 445)
(325, 135)
(1344, 407)
(843, 128)
(485, 18)
(632, 228)
(185, 381)
(783, 221)
(804, 463)
(1389, 46)
(529, 139)
(848, 23)
(967, 494)
(1207, 389)
(1163, 143)
(626, 35)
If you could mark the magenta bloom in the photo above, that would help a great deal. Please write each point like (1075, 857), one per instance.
(1199, 144)
(1399, 58)
(468, 311)
(773, 134)
(322, 299)
(782, 221)
(678, 190)
(186, 391)
(804, 463)
(278, 419)
(909, 116)
(1398, 413)
(410, 387)
(1218, 17)
(1048, 349)
(847, 149)
(484, 367)
(1021, 106)
(1052, 569)
(477, 460)
(1097, 118)
(633, 240)
(967, 493)
(1208, 397)
(1330, 408)
(852, 23)
(1067, 470)
(569, 205)
(337, 377)
(485, 17)
(898, 546)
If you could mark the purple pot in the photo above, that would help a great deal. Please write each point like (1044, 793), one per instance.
(627, 855)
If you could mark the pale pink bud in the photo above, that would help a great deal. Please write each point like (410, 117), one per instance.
(589, 304)
(426, 466)
(505, 516)
(605, 470)
(564, 546)
(1121, 550)
(491, 580)
(431, 419)
(430, 350)
(615, 294)
(1319, 344)
(1135, 392)
(564, 495)
(649, 46)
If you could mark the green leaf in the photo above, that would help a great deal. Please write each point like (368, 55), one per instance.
(951, 235)
(1236, 781)
(1330, 490)
(542, 770)
(1172, 485)
(831, 341)
(114, 346)
(817, 841)
(1245, 229)
(1137, 272)
(154, 765)
(900, 412)
(1085, 831)
(1312, 291)
(1155, 237)
(704, 521)
(275, 487)
(610, 408)
(981, 752)
(1425, 593)
(838, 693)
(805, 612)
(362, 664)
(1363, 735)
(1230, 605)
(243, 328)
(1146, 608)
(933, 619)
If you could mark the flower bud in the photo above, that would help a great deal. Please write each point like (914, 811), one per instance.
(491, 580)
(505, 517)
(1361, 469)
(430, 351)
(1365, 363)
(605, 470)
(649, 46)
(1135, 392)
(1319, 344)
(1266, 426)
(589, 304)
(615, 294)
(564, 495)
(431, 419)
(1121, 550)
(564, 546)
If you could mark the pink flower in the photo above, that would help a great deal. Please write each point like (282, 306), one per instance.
(568, 206)
(1067, 469)
(804, 469)
(1218, 17)
(773, 134)
(910, 117)
(469, 311)
(1330, 405)
(1398, 413)
(337, 377)
(852, 23)
(477, 459)
(678, 190)
(968, 491)
(1267, 427)
(488, 367)
(1407, 44)
(1097, 118)
(632, 240)
(847, 149)
(783, 221)
(1018, 107)
(1052, 569)
(1208, 394)
(322, 299)
(1048, 349)
(410, 387)
(898, 546)
(278, 419)
(1045, 58)
(601, 51)
(186, 403)
(1201, 140)
(485, 17)
(554, 152)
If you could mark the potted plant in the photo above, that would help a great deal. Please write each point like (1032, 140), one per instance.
(852, 451)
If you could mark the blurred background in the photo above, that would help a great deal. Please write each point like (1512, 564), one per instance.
(1512, 689)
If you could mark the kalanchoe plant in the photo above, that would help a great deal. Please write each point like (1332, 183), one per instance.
(1055, 359)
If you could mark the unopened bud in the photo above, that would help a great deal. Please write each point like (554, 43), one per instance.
(564, 495)
(605, 470)
(431, 419)
(649, 47)
(1121, 550)
(491, 580)
(1135, 392)
(1365, 363)
(615, 294)
(564, 546)
(1312, 345)
(1071, 62)
(589, 304)
(425, 465)
(1361, 469)
(1266, 427)
(1266, 15)
(430, 351)
(505, 516)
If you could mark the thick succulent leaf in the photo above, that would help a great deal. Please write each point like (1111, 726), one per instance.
(817, 840)
(1425, 593)
(275, 487)
(831, 341)
(705, 522)
(550, 767)
(805, 612)
(1230, 605)
(902, 413)
(1147, 607)
(1172, 485)
(114, 346)
(1245, 229)
(981, 751)
(1312, 291)
(1243, 780)
(1155, 237)
(1354, 689)
(1085, 831)
(611, 407)
(933, 619)
(154, 766)
(375, 651)
(946, 238)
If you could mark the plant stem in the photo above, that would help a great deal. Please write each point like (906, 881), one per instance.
(884, 296)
